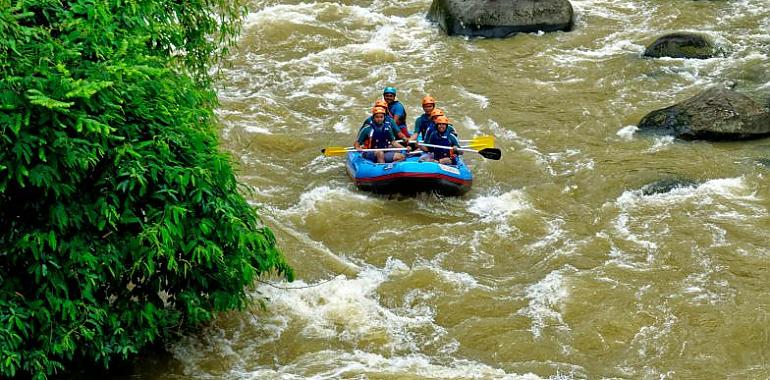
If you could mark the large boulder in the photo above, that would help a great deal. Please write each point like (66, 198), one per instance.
(682, 45)
(501, 18)
(715, 114)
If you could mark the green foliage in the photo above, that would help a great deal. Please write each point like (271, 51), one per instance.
(113, 193)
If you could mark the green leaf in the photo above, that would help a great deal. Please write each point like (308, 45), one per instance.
(38, 98)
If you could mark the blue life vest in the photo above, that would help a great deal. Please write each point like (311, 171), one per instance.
(380, 136)
(443, 139)
(388, 121)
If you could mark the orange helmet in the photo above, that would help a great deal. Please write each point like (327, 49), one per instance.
(428, 100)
(442, 120)
(436, 112)
(381, 103)
(377, 110)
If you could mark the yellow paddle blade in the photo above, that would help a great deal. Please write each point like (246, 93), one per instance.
(476, 145)
(331, 151)
(487, 141)
(480, 145)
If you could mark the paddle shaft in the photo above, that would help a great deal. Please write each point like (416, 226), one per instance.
(449, 147)
(490, 153)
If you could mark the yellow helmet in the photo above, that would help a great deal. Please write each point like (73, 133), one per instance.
(428, 100)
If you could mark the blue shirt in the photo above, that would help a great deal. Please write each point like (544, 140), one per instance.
(422, 125)
(397, 109)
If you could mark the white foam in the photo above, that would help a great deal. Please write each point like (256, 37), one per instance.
(331, 364)
(469, 124)
(660, 143)
(309, 200)
(295, 14)
(322, 164)
(343, 126)
(627, 132)
(727, 188)
(546, 299)
(498, 207)
(482, 100)
(256, 129)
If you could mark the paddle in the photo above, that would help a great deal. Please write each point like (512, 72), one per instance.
(479, 142)
(490, 153)
(331, 151)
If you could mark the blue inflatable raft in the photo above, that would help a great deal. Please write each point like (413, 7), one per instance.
(409, 176)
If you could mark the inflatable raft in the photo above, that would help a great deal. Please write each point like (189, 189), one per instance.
(409, 176)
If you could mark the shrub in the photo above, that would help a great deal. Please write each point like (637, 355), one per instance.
(120, 220)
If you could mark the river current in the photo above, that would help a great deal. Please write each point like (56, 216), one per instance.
(562, 262)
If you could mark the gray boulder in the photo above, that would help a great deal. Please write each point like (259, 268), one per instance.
(682, 45)
(501, 18)
(667, 185)
(715, 114)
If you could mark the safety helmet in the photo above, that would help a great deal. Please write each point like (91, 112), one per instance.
(389, 90)
(377, 110)
(442, 120)
(428, 100)
(436, 112)
(381, 103)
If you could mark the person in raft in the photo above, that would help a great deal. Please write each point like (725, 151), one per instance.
(378, 135)
(441, 136)
(432, 125)
(388, 119)
(396, 109)
(422, 123)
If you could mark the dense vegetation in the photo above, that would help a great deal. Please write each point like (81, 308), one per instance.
(121, 222)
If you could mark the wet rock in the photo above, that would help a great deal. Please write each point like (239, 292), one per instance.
(666, 185)
(501, 18)
(715, 114)
(682, 45)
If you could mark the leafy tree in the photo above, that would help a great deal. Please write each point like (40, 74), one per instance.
(120, 220)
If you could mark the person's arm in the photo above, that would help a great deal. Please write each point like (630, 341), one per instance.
(362, 135)
(455, 144)
(404, 133)
(365, 124)
(417, 123)
(427, 141)
(399, 113)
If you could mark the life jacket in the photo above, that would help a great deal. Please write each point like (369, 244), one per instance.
(443, 139)
(388, 120)
(431, 127)
(379, 136)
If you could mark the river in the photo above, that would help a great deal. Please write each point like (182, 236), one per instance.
(561, 263)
